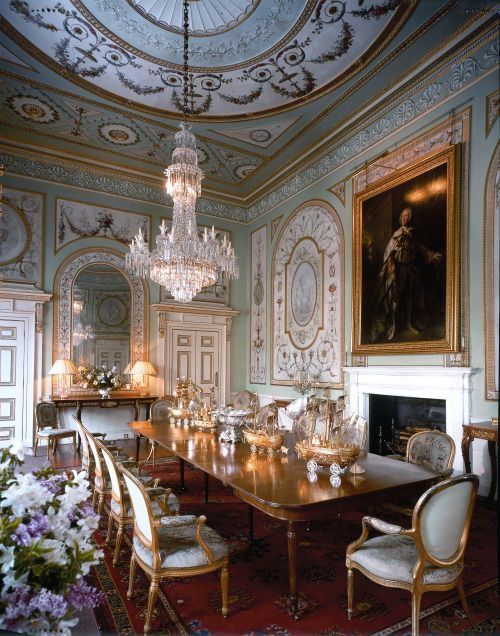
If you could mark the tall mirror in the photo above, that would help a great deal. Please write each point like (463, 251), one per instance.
(101, 311)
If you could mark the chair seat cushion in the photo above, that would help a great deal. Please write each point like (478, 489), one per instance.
(394, 557)
(180, 549)
(55, 432)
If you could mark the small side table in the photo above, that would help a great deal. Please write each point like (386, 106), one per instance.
(488, 432)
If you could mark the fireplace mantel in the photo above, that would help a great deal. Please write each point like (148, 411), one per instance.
(453, 384)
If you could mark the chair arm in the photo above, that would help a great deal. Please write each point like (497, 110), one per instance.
(383, 526)
(199, 537)
(178, 521)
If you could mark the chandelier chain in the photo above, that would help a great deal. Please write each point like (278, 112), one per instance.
(186, 59)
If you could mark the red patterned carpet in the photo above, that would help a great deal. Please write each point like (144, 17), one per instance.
(259, 580)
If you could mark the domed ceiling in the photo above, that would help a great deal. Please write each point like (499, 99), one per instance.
(103, 78)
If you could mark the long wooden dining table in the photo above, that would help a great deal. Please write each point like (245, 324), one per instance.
(280, 486)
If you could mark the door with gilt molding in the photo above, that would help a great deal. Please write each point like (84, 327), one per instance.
(195, 356)
(12, 381)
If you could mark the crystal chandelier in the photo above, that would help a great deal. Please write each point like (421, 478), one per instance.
(183, 262)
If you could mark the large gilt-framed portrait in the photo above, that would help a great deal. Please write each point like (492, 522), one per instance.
(406, 259)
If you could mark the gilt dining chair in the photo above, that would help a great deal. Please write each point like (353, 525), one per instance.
(159, 413)
(47, 428)
(163, 500)
(175, 546)
(429, 556)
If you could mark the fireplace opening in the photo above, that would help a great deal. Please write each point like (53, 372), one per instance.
(394, 419)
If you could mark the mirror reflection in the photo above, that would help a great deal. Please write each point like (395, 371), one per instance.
(101, 307)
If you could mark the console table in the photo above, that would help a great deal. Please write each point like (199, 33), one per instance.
(118, 398)
(489, 432)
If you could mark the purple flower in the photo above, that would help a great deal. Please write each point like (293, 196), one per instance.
(21, 535)
(49, 603)
(38, 525)
(81, 595)
(53, 483)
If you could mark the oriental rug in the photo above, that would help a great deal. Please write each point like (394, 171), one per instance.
(259, 579)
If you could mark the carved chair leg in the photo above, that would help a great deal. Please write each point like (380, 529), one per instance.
(36, 446)
(74, 445)
(224, 583)
(463, 600)
(350, 592)
(100, 508)
(110, 528)
(416, 597)
(152, 596)
(94, 498)
(133, 565)
(48, 448)
(119, 539)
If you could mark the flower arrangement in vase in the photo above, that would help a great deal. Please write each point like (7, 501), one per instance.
(46, 547)
(101, 379)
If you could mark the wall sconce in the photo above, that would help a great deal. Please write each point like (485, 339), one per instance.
(142, 368)
(62, 368)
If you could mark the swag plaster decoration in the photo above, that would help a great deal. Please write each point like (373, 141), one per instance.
(63, 287)
(77, 220)
(258, 307)
(21, 236)
(492, 110)
(307, 300)
(492, 276)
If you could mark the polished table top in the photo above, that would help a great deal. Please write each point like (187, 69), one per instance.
(279, 485)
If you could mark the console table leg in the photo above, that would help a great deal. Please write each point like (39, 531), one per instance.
(181, 472)
(137, 448)
(292, 569)
(493, 462)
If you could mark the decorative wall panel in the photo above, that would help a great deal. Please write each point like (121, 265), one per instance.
(492, 276)
(307, 297)
(258, 307)
(76, 220)
(21, 237)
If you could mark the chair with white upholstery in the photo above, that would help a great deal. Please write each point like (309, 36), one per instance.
(164, 501)
(433, 449)
(175, 546)
(427, 557)
(87, 462)
(47, 428)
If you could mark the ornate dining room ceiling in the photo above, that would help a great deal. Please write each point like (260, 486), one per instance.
(272, 80)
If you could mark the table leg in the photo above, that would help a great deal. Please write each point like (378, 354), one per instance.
(79, 417)
(250, 523)
(205, 481)
(137, 447)
(137, 406)
(181, 472)
(493, 461)
(292, 569)
(466, 440)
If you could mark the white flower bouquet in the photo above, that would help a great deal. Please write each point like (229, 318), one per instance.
(100, 378)
(46, 547)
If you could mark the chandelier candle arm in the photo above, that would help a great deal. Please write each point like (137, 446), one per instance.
(181, 261)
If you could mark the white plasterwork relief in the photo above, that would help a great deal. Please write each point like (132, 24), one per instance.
(307, 301)
(21, 236)
(258, 303)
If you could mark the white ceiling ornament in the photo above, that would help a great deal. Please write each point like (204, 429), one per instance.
(205, 16)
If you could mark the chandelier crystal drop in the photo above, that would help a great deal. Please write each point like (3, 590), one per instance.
(183, 261)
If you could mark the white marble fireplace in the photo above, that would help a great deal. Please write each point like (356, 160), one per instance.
(451, 384)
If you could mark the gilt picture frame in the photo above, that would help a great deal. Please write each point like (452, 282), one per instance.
(406, 259)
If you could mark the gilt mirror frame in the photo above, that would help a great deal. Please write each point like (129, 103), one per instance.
(66, 275)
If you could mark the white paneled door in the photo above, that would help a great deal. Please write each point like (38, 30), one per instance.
(195, 356)
(12, 381)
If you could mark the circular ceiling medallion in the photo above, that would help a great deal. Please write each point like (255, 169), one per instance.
(260, 135)
(206, 17)
(118, 134)
(32, 109)
(112, 311)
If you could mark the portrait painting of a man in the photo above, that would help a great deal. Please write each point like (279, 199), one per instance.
(404, 255)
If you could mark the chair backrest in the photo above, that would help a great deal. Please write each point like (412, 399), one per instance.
(98, 462)
(355, 431)
(434, 450)
(46, 415)
(244, 400)
(143, 511)
(160, 409)
(296, 408)
(85, 445)
(114, 475)
(441, 519)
